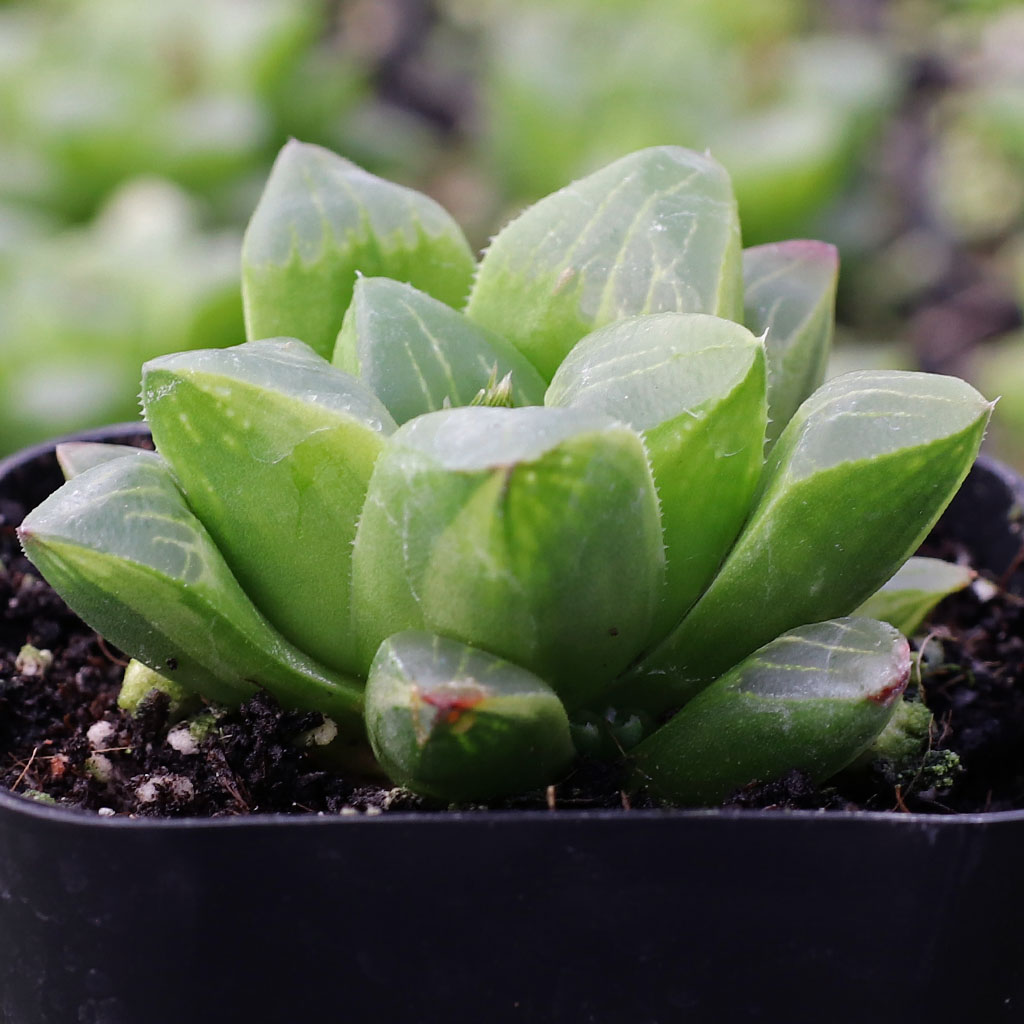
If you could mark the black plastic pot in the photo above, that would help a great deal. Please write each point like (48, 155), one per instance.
(625, 918)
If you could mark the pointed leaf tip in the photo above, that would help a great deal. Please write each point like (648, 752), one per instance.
(789, 297)
(320, 221)
(918, 586)
(76, 457)
(655, 231)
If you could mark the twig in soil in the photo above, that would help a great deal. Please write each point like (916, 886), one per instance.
(228, 783)
(25, 770)
(232, 791)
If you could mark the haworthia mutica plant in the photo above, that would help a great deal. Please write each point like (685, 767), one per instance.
(537, 518)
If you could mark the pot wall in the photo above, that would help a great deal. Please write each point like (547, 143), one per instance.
(660, 917)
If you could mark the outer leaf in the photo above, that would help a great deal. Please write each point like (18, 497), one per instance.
(320, 221)
(76, 457)
(459, 724)
(653, 232)
(419, 355)
(855, 482)
(273, 448)
(918, 586)
(532, 533)
(790, 296)
(120, 545)
(812, 699)
(694, 385)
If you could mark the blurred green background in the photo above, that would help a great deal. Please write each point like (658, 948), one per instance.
(134, 139)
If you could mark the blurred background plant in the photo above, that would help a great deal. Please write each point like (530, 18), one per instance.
(134, 137)
(785, 104)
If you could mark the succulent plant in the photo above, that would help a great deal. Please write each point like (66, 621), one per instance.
(605, 508)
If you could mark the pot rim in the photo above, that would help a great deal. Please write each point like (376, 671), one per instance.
(14, 803)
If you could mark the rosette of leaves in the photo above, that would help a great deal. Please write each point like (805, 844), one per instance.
(588, 494)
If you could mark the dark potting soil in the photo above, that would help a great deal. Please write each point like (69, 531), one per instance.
(63, 738)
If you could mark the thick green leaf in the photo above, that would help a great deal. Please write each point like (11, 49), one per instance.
(532, 533)
(120, 545)
(853, 485)
(813, 699)
(694, 386)
(456, 723)
(656, 231)
(273, 448)
(418, 355)
(789, 296)
(76, 457)
(321, 221)
(918, 586)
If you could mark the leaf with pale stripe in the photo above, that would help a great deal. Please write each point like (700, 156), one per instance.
(457, 723)
(656, 231)
(813, 700)
(532, 533)
(273, 448)
(321, 221)
(693, 385)
(789, 295)
(418, 355)
(120, 545)
(853, 485)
